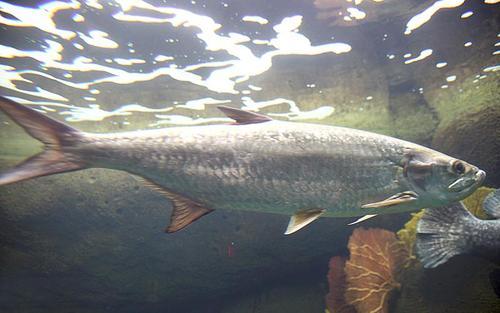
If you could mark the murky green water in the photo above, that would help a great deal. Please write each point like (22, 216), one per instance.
(93, 241)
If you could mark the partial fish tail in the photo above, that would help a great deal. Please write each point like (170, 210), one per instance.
(491, 204)
(57, 137)
(443, 233)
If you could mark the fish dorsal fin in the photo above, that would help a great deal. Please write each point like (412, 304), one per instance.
(185, 211)
(362, 219)
(491, 204)
(243, 117)
(303, 218)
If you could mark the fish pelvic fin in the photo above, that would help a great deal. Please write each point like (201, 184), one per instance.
(303, 218)
(54, 134)
(243, 117)
(185, 211)
(362, 219)
(491, 204)
(443, 233)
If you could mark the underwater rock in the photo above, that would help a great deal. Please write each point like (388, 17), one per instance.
(412, 117)
(475, 138)
(376, 259)
(494, 277)
(289, 296)
(335, 300)
(460, 286)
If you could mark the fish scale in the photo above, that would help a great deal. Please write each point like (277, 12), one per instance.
(249, 164)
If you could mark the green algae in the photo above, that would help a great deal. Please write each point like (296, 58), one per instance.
(465, 97)
(375, 118)
(408, 235)
(474, 202)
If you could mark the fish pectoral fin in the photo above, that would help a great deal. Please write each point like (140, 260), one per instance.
(185, 211)
(399, 198)
(243, 117)
(362, 218)
(302, 218)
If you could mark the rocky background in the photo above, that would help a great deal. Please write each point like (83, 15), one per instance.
(92, 241)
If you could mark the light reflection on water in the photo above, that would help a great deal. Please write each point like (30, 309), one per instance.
(81, 59)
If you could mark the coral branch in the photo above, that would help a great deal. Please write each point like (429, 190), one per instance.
(335, 301)
(377, 258)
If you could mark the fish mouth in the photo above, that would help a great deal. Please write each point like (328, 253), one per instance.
(464, 183)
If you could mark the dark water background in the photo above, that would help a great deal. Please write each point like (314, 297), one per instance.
(92, 241)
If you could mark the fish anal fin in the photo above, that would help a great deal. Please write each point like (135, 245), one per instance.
(399, 198)
(362, 219)
(243, 117)
(185, 211)
(303, 218)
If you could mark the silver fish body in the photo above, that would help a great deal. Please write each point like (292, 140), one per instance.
(277, 167)
(258, 164)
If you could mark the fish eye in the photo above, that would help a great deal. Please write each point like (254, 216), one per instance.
(458, 167)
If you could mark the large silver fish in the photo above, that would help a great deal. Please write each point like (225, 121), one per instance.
(257, 164)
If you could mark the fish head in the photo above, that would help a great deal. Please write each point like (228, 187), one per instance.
(440, 179)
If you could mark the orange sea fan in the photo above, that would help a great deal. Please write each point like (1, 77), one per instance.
(377, 258)
(335, 300)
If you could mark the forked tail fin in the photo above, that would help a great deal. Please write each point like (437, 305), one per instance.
(54, 134)
(443, 233)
